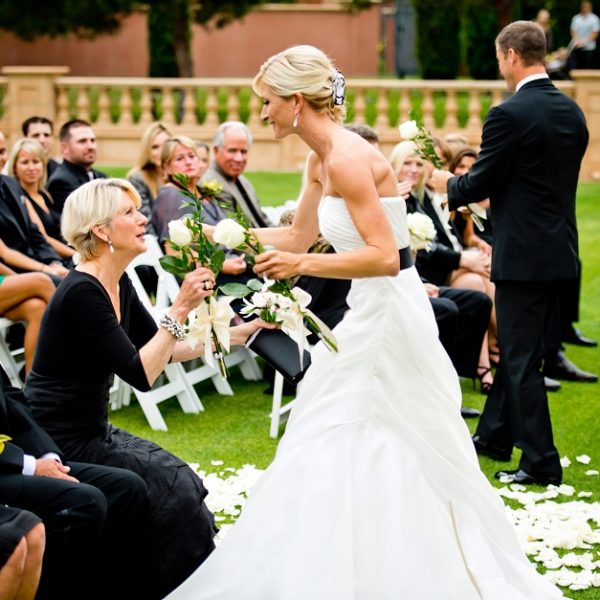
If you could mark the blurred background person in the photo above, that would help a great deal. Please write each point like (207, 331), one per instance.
(41, 130)
(147, 177)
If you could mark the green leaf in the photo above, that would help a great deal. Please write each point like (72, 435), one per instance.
(237, 290)
(255, 284)
(216, 261)
(173, 265)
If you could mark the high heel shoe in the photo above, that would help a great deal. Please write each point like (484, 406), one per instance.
(486, 386)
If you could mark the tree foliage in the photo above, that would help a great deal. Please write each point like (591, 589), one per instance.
(438, 43)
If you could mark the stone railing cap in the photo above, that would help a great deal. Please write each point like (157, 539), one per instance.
(58, 71)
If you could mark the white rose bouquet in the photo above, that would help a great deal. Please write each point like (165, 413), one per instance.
(210, 321)
(422, 231)
(272, 301)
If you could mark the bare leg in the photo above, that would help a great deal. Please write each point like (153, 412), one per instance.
(36, 542)
(15, 289)
(32, 312)
(11, 574)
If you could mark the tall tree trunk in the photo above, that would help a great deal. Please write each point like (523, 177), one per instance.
(504, 10)
(182, 37)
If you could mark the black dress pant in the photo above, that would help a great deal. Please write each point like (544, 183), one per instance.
(94, 530)
(462, 317)
(516, 411)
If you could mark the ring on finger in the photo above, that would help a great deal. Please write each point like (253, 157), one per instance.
(208, 285)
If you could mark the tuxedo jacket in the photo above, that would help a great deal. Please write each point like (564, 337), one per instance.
(531, 151)
(66, 178)
(17, 230)
(16, 421)
(230, 196)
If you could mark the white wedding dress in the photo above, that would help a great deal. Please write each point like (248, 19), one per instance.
(375, 492)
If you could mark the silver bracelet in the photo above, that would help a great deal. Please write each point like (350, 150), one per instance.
(173, 327)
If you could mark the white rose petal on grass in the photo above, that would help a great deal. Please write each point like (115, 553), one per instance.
(565, 462)
(229, 233)
(584, 459)
(179, 233)
(408, 130)
(216, 463)
(592, 472)
(584, 494)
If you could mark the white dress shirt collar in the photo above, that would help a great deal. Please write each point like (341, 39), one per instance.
(531, 78)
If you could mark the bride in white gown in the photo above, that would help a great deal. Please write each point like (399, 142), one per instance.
(375, 492)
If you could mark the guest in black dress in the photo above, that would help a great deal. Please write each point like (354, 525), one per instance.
(27, 164)
(94, 327)
(22, 541)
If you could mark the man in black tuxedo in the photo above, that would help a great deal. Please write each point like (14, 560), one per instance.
(79, 150)
(91, 513)
(531, 152)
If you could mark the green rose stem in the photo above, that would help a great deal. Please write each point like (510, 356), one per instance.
(209, 255)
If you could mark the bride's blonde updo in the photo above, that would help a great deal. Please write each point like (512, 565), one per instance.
(308, 71)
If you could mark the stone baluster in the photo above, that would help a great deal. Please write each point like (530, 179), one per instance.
(125, 105)
(146, 116)
(189, 107)
(404, 106)
(62, 104)
(212, 105)
(451, 121)
(382, 120)
(233, 104)
(168, 105)
(254, 107)
(427, 109)
(82, 103)
(360, 105)
(103, 106)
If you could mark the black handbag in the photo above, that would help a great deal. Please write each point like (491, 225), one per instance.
(281, 352)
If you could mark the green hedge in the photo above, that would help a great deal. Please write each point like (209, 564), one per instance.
(438, 44)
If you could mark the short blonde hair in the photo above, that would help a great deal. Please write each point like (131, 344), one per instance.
(168, 148)
(306, 70)
(93, 204)
(29, 145)
(398, 157)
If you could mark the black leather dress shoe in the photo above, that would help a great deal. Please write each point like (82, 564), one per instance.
(551, 385)
(469, 413)
(520, 476)
(574, 336)
(563, 368)
(484, 448)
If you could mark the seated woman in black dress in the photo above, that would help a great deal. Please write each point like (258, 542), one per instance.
(22, 541)
(27, 164)
(95, 326)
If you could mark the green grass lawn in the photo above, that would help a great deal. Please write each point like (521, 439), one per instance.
(236, 429)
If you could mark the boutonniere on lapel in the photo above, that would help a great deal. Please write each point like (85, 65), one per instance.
(3, 440)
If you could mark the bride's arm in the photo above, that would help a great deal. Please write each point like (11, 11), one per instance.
(351, 175)
(303, 232)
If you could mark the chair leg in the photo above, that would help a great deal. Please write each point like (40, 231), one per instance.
(276, 406)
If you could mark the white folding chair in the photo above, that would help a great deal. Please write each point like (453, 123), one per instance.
(279, 412)
(11, 360)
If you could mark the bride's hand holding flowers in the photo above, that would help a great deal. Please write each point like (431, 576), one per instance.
(275, 264)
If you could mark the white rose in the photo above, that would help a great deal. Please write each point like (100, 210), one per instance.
(421, 229)
(179, 233)
(229, 233)
(409, 130)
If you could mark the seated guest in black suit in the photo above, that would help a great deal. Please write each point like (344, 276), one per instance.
(91, 513)
(22, 542)
(27, 164)
(95, 327)
(42, 130)
(79, 151)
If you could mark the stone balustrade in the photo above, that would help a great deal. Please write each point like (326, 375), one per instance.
(121, 108)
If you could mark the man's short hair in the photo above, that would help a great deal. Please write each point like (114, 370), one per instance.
(527, 39)
(364, 131)
(65, 131)
(223, 127)
(33, 120)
